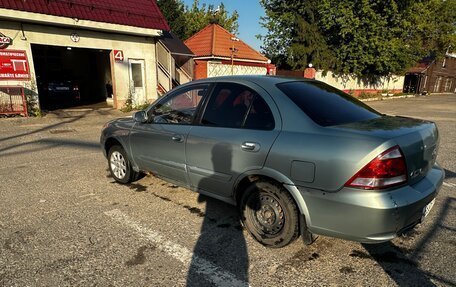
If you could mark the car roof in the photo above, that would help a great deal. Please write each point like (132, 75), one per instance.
(258, 79)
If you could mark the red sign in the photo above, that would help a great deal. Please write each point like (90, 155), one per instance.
(118, 55)
(14, 65)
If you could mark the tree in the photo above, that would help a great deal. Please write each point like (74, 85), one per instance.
(294, 39)
(365, 38)
(432, 26)
(185, 21)
(199, 17)
(173, 10)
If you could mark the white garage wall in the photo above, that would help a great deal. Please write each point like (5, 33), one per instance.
(133, 47)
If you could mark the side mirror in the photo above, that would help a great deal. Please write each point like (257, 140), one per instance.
(140, 117)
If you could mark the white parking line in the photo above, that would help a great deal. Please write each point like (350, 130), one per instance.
(449, 184)
(215, 274)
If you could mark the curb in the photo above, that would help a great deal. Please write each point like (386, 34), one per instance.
(389, 98)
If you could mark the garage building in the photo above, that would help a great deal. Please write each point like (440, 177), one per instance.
(78, 52)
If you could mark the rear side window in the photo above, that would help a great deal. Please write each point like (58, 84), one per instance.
(237, 106)
(325, 105)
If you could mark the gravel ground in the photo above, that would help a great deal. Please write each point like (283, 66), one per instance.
(64, 222)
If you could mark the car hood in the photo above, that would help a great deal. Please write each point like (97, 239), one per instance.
(121, 123)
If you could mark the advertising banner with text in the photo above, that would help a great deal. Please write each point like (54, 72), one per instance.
(14, 65)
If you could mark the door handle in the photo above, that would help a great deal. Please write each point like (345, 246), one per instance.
(177, 138)
(250, 146)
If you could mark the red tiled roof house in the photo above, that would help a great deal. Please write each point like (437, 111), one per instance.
(219, 53)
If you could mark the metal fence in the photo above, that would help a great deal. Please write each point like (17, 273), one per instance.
(12, 101)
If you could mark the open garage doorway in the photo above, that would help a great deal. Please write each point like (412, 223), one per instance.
(69, 77)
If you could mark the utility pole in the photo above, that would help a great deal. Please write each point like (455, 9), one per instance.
(233, 50)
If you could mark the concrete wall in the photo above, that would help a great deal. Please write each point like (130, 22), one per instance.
(133, 47)
(210, 68)
(216, 69)
(394, 83)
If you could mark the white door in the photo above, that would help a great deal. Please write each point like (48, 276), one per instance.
(137, 86)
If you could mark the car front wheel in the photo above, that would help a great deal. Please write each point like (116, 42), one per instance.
(120, 166)
(270, 214)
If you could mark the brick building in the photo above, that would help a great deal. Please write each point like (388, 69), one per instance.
(432, 76)
(219, 53)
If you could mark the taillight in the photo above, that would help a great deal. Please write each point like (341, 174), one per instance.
(385, 170)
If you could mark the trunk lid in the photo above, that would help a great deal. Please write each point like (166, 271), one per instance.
(418, 140)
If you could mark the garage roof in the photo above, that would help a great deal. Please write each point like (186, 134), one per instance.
(137, 13)
(421, 66)
(175, 45)
(215, 41)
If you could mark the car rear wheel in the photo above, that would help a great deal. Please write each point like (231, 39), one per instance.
(120, 166)
(270, 214)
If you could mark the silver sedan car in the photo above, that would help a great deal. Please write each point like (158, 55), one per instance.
(298, 157)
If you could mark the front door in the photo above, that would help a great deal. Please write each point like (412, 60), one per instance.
(159, 144)
(137, 86)
(234, 136)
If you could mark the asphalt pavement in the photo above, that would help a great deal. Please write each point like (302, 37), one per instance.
(65, 222)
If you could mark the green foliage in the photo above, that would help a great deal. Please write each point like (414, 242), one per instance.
(366, 95)
(294, 39)
(129, 106)
(432, 26)
(31, 97)
(186, 21)
(363, 38)
(142, 106)
(174, 10)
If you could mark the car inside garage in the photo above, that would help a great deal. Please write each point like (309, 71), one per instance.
(69, 77)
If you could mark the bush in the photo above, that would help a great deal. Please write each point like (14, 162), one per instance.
(128, 107)
(31, 97)
(365, 95)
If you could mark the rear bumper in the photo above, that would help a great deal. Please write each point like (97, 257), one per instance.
(370, 216)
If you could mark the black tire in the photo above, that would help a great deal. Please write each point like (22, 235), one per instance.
(270, 214)
(120, 166)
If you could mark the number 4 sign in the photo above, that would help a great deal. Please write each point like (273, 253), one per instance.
(118, 55)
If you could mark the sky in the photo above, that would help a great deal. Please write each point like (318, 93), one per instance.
(249, 12)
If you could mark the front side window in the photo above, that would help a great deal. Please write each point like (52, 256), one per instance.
(237, 106)
(179, 107)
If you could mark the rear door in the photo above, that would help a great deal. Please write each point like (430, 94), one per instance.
(159, 145)
(235, 133)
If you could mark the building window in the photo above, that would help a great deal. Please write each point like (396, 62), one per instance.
(437, 84)
(448, 83)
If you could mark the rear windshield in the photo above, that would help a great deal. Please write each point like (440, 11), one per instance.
(325, 105)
